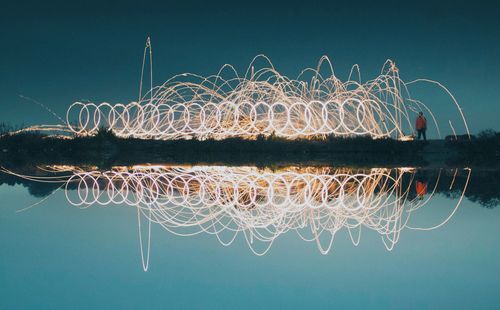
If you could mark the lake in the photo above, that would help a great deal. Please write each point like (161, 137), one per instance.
(244, 237)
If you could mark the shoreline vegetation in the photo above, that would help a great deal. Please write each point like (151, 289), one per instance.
(105, 149)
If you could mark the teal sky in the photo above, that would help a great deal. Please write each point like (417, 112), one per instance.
(61, 52)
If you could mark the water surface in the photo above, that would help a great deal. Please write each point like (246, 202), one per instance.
(56, 255)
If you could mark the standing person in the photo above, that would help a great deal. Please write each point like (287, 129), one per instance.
(421, 125)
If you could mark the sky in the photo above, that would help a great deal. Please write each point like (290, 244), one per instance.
(61, 52)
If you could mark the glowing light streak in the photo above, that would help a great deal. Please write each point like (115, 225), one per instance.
(262, 102)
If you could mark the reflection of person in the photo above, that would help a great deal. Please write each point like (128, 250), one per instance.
(421, 188)
(421, 125)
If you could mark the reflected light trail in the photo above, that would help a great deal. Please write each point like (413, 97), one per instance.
(260, 204)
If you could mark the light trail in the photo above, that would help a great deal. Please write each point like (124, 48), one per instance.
(261, 102)
(315, 104)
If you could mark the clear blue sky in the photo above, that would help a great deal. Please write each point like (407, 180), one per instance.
(58, 53)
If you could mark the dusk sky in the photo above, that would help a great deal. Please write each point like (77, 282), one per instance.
(63, 52)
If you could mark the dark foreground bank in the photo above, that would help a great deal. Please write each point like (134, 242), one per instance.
(105, 149)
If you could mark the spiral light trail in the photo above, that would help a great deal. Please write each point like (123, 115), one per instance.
(262, 102)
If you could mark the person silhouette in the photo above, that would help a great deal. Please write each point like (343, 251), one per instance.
(421, 125)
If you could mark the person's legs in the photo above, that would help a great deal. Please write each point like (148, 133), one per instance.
(424, 135)
(419, 134)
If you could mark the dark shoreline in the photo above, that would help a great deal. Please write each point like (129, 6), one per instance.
(106, 150)
(23, 153)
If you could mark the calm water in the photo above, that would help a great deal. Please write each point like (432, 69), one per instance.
(57, 255)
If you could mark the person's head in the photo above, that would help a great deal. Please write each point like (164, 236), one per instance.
(421, 114)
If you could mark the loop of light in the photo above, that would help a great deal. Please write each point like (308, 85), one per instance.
(263, 101)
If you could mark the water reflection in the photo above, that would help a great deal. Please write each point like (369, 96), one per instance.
(262, 204)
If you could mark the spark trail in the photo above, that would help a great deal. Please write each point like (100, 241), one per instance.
(262, 102)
